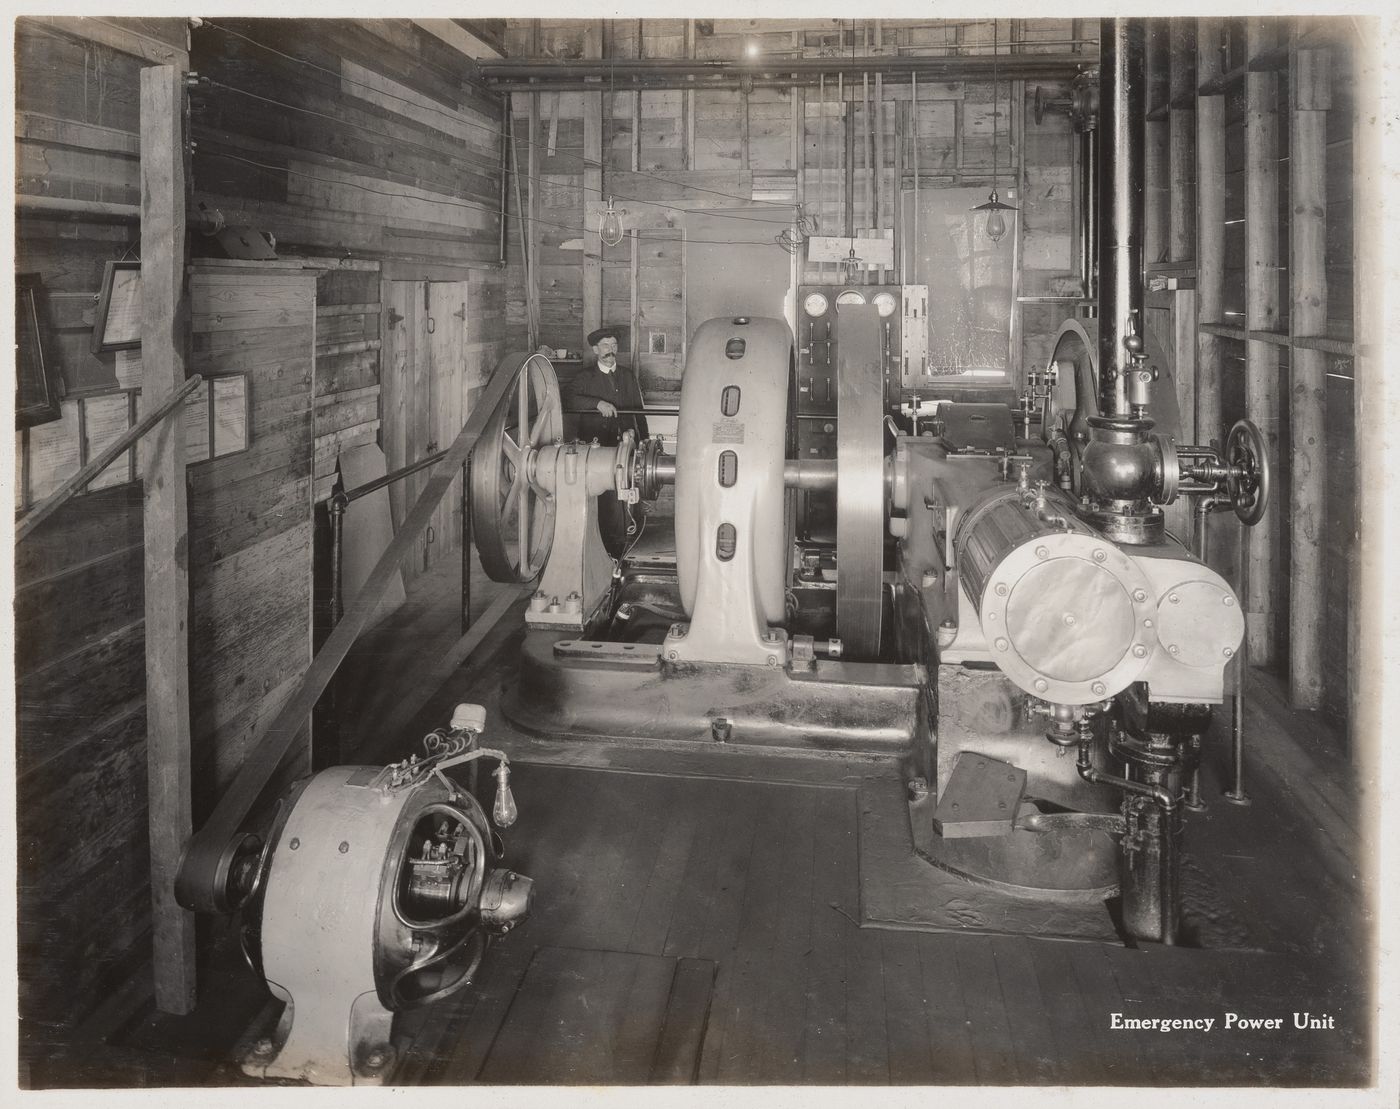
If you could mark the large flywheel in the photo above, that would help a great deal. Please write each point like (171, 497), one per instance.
(512, 515)
(860, 484)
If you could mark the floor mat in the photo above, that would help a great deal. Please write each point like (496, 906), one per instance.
(603, 1018)
(899, 889)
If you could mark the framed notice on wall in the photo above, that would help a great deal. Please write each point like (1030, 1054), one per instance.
(118, 323)
(38, 385)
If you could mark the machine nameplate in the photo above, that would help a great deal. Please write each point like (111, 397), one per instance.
(728, 431)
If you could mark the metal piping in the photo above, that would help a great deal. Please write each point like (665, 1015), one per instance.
(958, 66)
(1121, 160)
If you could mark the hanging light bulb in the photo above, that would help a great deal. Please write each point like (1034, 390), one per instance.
(996, 222)
(610, 230)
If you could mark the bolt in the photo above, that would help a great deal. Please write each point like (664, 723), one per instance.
(263, 1047)
(1100, 555)
(1041, 685)
(1139, 595)
(1042, 552)
(344, 846)
(1174, 598)
(1002, 644)
(1174, 649)
(1001, 804)
(295, 843)
(672, 655)
(1140, 651)
(773, 660)
(955, 804)
(1229, 652)
(376, 1059)
(1001, 589)
(1070, 621)
(1147, 623)
(1098, 689)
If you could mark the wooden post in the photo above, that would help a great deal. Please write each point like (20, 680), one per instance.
(1155, 151)
(1181, 214)
(689, 108)
(1310, 87)
(592, 186)
(165, 335)
(1261, 389)
(1210, 234)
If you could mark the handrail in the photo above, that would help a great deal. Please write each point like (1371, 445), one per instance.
(37, 515)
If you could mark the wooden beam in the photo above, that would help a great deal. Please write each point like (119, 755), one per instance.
(1262, 394)
(592, 185)
(165, 337)
(1181, 125)
(1310, 93)
(532, 224)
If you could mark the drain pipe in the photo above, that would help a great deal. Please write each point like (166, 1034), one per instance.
(505, 150)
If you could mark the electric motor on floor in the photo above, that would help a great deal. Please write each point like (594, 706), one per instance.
(379, 890)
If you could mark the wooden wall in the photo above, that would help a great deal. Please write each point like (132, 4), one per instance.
(307, 335)
(716, 148)
(84, 892)
(250, 521)
(1273, 278)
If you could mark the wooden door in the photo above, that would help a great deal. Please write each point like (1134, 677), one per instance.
(447, 341)
(425, 328)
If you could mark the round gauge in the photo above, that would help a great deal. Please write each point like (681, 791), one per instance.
(886, 303)
(814, 305)
(850, 296)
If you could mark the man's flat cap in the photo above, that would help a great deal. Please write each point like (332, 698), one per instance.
(596, 337)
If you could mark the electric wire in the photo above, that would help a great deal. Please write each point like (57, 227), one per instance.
(457, 117)
(509, 172)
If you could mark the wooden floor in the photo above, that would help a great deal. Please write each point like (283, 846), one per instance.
(751, 865)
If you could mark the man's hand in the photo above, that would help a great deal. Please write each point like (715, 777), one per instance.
(607, 409)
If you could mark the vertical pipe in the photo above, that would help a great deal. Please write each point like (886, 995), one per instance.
(878, 222)
(505, 154)
(850, 143)
(869, 157)
(914, 100)
(1121, 107)
(821, 160)
(466, 544)
(337, 510)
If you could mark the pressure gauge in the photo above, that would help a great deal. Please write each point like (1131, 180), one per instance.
(814, 305)
(886, 303)
(850, 296)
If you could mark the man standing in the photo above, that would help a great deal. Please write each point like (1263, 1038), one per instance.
(596, 395)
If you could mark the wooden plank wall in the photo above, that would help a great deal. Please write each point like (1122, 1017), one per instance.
(347, 364)
(84, 890)
(250, 514)
(360, 142)
(719, 148)
(1239, 77)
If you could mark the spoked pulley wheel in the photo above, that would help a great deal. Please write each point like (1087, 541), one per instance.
(512, 515)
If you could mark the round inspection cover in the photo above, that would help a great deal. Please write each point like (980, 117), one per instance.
(1070, 619)
(1201, 621)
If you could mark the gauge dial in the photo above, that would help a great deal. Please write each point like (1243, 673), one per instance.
(814, 305)
(886, 303)
(850, 296)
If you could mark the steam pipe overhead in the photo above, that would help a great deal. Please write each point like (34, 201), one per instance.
(567, 74)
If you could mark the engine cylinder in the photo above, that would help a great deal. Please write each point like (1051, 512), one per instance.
(1067, 615)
